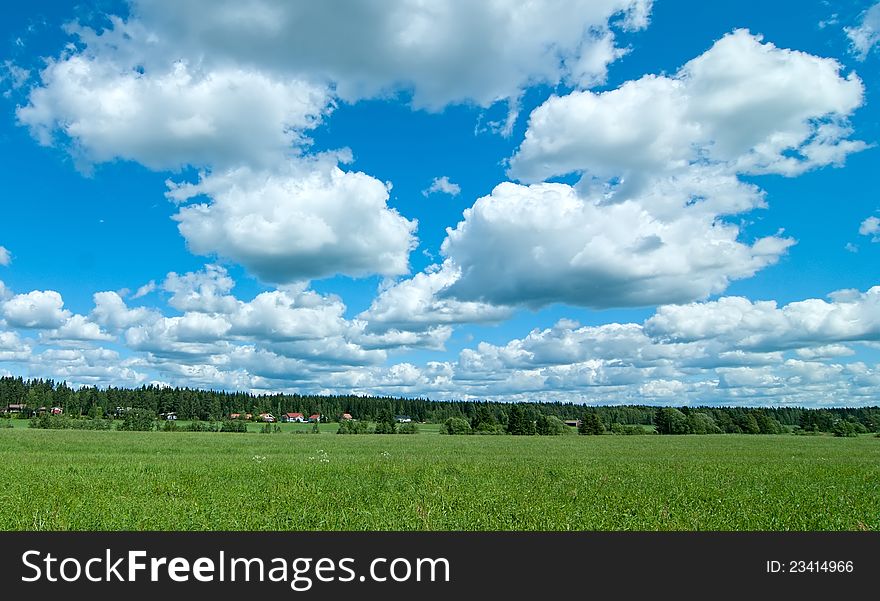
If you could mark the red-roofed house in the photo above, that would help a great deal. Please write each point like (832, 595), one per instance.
(315, 417)
(293, 417)
(347, 416)
(267, 417)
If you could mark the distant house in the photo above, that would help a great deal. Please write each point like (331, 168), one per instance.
(249, 416)
(170, 416)
(574, 423)
(316, 417)
(56, 411)
(235, 416)
(402, 419)
(347, 416)
(267, 417)
(16, 407)
(293, 417)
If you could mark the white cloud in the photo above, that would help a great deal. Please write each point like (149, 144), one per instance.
(545, 243)
(222, 84)
(310, 220)
(205, 291)
(761, 325)
(747, 105)
(866, 34)
(112, 313)
(144, 290)
(5, 256)
(37, 309)
(285, 315)
(176, 116)
(414, 305)
(730, 351)
(77, 328)
(871, 227)
(442, 185)
(445, 52)
(91, 367)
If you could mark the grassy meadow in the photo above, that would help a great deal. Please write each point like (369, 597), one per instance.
(109, 480)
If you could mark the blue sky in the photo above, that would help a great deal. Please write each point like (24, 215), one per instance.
(609, 202)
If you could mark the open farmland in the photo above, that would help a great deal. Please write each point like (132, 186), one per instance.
(85, 480)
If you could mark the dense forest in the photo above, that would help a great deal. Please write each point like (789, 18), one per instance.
(216, 405)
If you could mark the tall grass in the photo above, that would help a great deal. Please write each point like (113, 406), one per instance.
(83, 480)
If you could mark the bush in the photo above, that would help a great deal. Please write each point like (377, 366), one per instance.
(200, 426)
(844, 428)
(409, 428)
(385, 427)
(351, 426)
(63, 422)
(455, 425)
(234, 425)
(488, 429)
(170, 426)
(628, 429)
(6, 423)
(271, 429)
(550, 425)
(137, 420)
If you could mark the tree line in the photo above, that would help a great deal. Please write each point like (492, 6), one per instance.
(481, 416)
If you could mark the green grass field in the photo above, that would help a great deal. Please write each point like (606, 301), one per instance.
(82, 480)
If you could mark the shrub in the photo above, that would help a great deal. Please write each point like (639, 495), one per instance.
(385, 427)
(488, 429)
(200, 426)
(64, 422)
(273, 429)
(455, 425)
(170, 426)
(351, 426)
(140, 420)
(409, 428)
(233, 425)
(844, 428)
(6, 423)
(627, 429)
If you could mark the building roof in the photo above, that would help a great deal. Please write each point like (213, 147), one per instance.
(293, 414)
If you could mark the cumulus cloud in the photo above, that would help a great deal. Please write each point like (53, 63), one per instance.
(310, 220)
(77, 328)
(748, 105)
(414, 304)
(871, 227)
(850, 315)
(38, 309)
(170, 116)
(112, 313)
(442, 185)
(206, 291)
(545, 243)
(660, 159)
(444, 52)
(5, 256)
(731, 351)
(866, 34)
